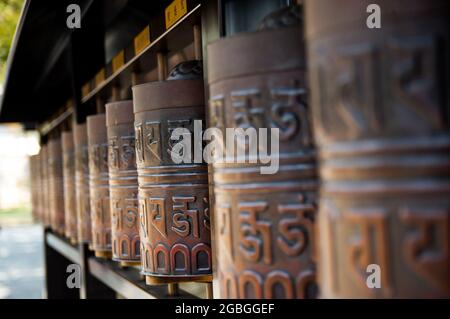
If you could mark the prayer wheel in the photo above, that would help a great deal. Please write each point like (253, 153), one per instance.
(99, 185)
(70, 207)
(123, 184)
(264, 222)
(173, 197)
(45, 186)
(84, 233)
(39, 189)
(380, 108)
(56, 186)
(34, 168)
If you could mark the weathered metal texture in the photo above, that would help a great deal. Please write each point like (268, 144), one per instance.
(173, 197)
(56, 186)
(45, 186)
(264, 224)
(82, 184)
(70, 206)
(381, 121)
(123, 183)
(99, 185)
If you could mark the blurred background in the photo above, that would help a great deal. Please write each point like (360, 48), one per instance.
(21, 269)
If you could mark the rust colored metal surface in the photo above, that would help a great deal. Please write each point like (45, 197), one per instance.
(70, 207)
(45, 186)
(56, 186)
(99, 185)
(82, 184)
(381, 118)
(264, 224)
(123, 183)
(173, 197)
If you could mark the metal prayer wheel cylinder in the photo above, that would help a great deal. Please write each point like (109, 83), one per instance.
(84, 232)
(56, 186)
(173, 198)
(123, 183)
(99, 185)
(45, 186)
(70, 207)
(264, 224)
(381, 123)
(33, 165)
(39, 188)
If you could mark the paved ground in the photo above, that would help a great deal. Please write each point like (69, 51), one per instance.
(21, 262)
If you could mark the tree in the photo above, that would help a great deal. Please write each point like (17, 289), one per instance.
(9, 17)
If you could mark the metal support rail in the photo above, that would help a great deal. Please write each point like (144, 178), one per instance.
(100, 278)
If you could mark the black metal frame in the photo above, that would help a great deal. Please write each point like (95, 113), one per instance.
(101, 279)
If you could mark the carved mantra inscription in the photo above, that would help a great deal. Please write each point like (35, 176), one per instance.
(166, 223)
(285, 109)
(349, 88)
(125, 217)
(124, 194)
(276, 284)
(99, 197)
(153, 143)
(122, 153)
(379, 104)
(252, 239)
(173, 197)
(421, 244)
(264, 239)
(82, 194)
(264, 236)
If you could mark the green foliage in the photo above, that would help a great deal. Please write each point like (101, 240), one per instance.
(9, 17)
(13, 212)
(15, 216)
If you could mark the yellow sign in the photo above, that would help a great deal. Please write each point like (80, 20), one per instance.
(175, 11)
(142, 40)
(118, 61)
(99, 77)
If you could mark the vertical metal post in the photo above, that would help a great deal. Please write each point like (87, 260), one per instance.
(91, 287)
(99, 106)
(209, 291)
(162, 66)
(172, 289)
(115, 93)
(197, 42)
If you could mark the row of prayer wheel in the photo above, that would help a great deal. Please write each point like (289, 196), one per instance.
(359, 205)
